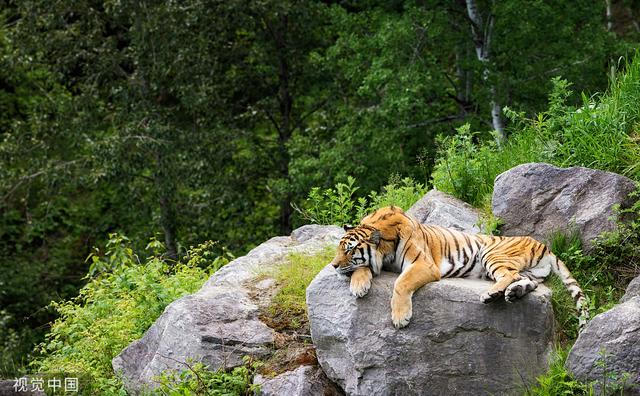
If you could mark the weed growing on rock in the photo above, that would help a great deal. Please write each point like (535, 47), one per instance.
(287, 312)
(557, 381)
(288, 309)
(196, 379)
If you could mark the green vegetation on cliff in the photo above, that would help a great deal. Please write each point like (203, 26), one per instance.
(199, 120)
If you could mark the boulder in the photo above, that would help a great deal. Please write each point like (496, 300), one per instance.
(220, 323)
(609, 346)
(444, 210)
(303, 381)
(539, 199)
(633, 290)
(454, 344)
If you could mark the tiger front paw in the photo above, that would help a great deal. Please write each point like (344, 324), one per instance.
(401, 311)
(360, 282)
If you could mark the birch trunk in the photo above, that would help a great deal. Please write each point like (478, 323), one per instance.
(609, 16)
(482, 39)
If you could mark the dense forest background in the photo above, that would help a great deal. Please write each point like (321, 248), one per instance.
(186, 121)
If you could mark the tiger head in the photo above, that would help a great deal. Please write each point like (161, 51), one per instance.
(356, 249)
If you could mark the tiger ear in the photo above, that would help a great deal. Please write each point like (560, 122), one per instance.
(348, 227)
(375, 237)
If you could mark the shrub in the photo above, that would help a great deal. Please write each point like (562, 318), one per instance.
(466, 169)
(339, 205)
(196, 379)
(120, 301)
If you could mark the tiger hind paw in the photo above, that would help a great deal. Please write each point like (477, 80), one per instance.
(518, 289)
(488, 297)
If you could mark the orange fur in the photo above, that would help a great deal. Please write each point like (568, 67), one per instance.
(392, 240)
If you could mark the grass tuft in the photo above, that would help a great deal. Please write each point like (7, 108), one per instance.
(288, 308)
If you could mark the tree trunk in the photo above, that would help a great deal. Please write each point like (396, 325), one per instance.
(482, 39)
(609, 16)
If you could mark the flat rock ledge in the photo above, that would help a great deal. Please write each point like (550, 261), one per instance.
(454, 345)
(219, 324)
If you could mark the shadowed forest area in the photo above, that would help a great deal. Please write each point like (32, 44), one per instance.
(131, 129)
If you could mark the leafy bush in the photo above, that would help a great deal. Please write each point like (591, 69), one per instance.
(467, 170)
(121, 300)
(196, 379)
(340, 205)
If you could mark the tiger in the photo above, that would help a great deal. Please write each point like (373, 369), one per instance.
(390, 239)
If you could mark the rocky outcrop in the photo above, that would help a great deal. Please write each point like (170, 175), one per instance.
(633, 290)
(303, 381)
(539, 199)
(442, 209)
(609, 347)
(220, 323)
(453, 345)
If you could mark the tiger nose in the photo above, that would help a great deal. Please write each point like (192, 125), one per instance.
(335, 264)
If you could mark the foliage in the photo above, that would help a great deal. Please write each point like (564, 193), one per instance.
(340, 206)
(334, 205)
(603, 273)
(288, 309)
(557, 381)
(601, 134)
(467, 170)
(197, 120)
(196, 379)
(122, 298)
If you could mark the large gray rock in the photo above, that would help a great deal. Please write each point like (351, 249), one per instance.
(219, 324)
(303, 381)
(454, 345)
(540, 199)
(611, 340)
(444, 210)
(633, 290)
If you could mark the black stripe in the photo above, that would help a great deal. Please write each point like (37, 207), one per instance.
(448, 273)
(472, 266)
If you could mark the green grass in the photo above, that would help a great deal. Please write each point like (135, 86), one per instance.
(288, 308)
(604, 133)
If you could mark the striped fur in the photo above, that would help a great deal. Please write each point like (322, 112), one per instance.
(389, 239)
